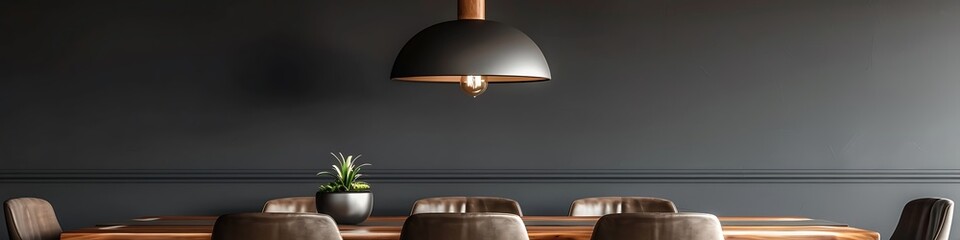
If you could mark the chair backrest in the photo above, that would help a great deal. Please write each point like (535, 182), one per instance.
(31, 219)
(291, 205)
(599, 206)
(925, 219)
(466, 205)
(287, 226)
(658, 226)
(464, 226)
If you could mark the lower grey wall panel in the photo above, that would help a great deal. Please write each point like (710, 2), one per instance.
(874, 206)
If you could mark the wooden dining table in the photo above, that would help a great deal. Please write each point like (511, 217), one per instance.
(538, 227)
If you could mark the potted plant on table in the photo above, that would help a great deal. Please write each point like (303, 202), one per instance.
(346, 199)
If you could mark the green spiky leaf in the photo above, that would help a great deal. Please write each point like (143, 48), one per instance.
(346, 175)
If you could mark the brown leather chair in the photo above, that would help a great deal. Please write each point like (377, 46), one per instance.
(464, 226)
(286, 226)
(599, 206)
(291, 205)
(658, 226)
(31, 219)
(466, 205)
(925, 219)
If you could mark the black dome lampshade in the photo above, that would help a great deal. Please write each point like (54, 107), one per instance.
(470, 51)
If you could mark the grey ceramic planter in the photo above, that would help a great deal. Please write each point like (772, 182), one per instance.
(348, 208)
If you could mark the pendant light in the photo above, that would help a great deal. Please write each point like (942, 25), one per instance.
(471, 51)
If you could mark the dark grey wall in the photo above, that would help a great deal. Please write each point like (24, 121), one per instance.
(842, 110)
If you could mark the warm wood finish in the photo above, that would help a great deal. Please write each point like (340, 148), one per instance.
(392, 232)
(471, 9)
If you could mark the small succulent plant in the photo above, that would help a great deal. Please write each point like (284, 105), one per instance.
(345, 175)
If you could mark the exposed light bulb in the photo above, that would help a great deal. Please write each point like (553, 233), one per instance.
(474, 85)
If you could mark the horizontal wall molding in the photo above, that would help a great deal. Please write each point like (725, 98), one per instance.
(488, 176)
